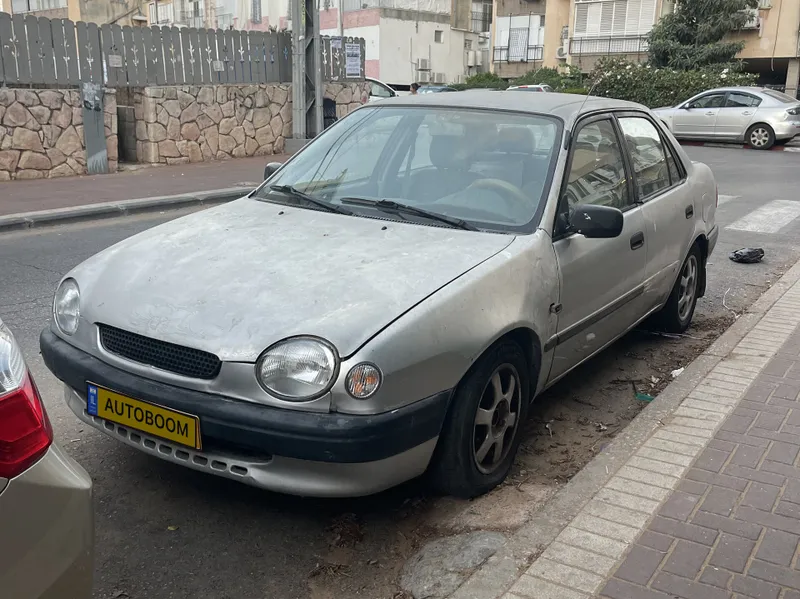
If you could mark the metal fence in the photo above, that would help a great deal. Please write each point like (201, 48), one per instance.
(515, 54)
(37, 50)
(608, 45)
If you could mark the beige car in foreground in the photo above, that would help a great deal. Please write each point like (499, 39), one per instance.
(46, 522)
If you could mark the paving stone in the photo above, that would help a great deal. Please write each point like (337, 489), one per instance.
(761, 496)
(568, 576)
(716, 577)
(640, 565)
(747, 456)
(679, 506)
(686, 559)
(720, 501)
(619, 589)
(682, 530)
(680, 587)
(732, 553)
(655, 541)
(528, 586)
(778, 547)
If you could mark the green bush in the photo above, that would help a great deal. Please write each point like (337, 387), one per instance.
(485, 80)
(543, 76)
(574, 90)
(653, 87)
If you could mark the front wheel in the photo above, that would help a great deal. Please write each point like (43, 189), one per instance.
(677, 313)
(760, 137)
(481, 433)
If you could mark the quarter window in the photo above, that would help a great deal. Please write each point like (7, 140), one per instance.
(647, 154)
(597, 170)
(738, 100)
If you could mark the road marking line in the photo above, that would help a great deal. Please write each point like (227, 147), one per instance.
(770, 218)
(723, 199)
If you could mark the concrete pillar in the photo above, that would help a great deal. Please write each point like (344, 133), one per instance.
(792, 77)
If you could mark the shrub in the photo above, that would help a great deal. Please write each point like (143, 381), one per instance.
(485, 80)
(653, 87)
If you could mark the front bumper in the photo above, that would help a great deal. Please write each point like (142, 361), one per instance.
(47, 531)
(302, 453)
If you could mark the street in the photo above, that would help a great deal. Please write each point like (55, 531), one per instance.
(165, 531)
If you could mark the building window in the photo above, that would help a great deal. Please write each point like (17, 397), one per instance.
(614, 18)
(481, 17)
(438, 36)
(255, 11)
(467, 44)
(22, 6)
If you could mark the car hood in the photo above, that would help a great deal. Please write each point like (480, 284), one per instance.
(235, 279)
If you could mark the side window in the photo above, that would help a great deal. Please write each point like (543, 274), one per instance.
(379, 91)
(597, 171)
(709, 101)
(647, 154)
(739, 100)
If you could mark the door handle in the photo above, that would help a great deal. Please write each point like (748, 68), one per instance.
(710, 113)
(747, 113)
(637, 240)
(689, 211)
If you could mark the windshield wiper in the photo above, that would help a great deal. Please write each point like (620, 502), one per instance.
(392, 206)
(291, 190)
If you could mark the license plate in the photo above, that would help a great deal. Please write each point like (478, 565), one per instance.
(143, 416)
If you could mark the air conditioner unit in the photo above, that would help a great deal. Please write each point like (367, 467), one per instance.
(460, 78)
(478, 58)
(561, 53)
(424, 64)
(471, 58)
(424, 77)
(439, 78)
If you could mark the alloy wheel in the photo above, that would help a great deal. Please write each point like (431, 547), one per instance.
(759, 137)
(497, 419)
(688, 287)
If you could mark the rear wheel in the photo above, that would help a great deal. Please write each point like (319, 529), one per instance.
(677, 313)
(481, 433)
(760, 137)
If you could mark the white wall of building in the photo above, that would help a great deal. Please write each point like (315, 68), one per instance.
(402, 43)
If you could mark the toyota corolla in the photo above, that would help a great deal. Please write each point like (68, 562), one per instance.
(390, 301)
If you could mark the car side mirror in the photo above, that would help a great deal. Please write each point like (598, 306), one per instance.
(685, 107)
(270, 169)
(596, 222)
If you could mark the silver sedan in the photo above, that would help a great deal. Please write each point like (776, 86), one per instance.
(391, 300)
(759, 117)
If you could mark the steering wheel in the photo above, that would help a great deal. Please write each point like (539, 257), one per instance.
(504, 187)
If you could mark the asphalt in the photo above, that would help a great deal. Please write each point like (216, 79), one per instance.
(167, 532)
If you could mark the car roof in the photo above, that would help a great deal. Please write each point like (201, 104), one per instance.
(563, 106)
(736, 88)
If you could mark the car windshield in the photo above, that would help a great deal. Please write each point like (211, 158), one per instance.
(490, 169)
(779, 96)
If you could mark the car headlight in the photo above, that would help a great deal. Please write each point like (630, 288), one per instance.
(67, 306)
(298, 369)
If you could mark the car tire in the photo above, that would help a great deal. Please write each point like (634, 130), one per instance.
(466, 463)
(760, 137)
(677, 313)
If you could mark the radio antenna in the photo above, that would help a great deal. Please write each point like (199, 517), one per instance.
(568, 138)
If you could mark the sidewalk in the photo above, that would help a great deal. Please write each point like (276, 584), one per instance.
(49, 194)
(699, 498)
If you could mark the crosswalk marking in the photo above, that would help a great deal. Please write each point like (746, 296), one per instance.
(723, 199)
(770, 218)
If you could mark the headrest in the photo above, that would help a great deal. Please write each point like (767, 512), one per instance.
(446, 151)
(517, 140)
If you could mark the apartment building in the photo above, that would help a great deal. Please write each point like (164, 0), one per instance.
(529, 34)
(772, 44)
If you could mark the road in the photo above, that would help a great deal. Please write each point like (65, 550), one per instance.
(167, 532)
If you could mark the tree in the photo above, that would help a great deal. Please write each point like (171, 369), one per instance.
(693, 35)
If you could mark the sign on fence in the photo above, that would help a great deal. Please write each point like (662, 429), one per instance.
(37, 50)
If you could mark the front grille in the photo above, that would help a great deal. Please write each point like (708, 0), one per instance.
(160, 354)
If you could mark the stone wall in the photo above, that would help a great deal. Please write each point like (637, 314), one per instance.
(41, 133)
(181, 124)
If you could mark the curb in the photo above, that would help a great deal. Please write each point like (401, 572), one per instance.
(501, 571)
(737, 146)
(43, 218)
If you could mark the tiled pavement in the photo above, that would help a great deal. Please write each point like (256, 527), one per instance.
(709, 505)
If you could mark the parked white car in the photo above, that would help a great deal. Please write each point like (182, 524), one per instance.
(757, 116)
(378, 90)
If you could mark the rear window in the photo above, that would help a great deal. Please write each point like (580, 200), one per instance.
(779, 96)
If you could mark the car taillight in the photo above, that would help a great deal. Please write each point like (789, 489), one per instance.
(25, 431)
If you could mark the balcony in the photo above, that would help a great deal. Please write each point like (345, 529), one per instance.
(503, 54)
(481, 21)
(608, 45)
(192, 19)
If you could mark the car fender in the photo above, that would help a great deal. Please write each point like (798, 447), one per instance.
(432, 347)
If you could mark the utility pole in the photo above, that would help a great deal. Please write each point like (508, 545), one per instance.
(306, 70)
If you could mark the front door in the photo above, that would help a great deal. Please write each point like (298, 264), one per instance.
(735, 117)
(601, 279)
(698, 117)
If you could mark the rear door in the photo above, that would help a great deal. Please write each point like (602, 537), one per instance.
(698, 117)
(668, 207)
(601, 279)
(735, 116)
